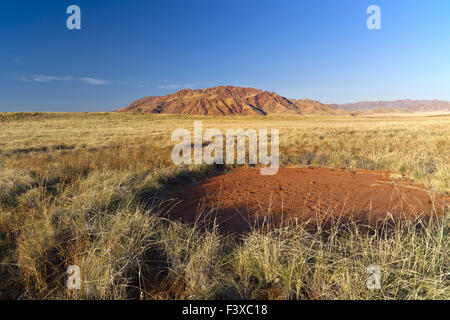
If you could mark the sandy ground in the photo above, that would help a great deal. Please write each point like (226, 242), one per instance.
(243, 197)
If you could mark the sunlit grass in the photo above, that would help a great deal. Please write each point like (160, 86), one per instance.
(86, 189)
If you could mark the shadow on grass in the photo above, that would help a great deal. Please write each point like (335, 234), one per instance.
(150, 196)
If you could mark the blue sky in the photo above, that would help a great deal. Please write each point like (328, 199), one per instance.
(125, 50)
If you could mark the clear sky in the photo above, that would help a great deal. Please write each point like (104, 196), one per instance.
(318, 49)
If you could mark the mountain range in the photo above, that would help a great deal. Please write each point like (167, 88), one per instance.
(404, 105)
(230, 100)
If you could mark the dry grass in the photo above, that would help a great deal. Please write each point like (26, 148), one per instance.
(85, 189)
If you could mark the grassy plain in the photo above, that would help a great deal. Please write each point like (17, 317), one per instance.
(85, 188)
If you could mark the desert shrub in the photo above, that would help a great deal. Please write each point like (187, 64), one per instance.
(306, 157)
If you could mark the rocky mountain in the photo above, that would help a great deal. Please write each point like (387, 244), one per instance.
(227, 100)
(406, 105)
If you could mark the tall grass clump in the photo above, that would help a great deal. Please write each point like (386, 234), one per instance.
(294, 263)
(14, 182)
(195, 260)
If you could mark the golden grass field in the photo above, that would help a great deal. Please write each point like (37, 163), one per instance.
(84, 189)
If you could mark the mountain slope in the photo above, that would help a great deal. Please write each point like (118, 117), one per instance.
(226, 100)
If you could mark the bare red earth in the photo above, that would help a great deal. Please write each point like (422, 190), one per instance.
(243, 198)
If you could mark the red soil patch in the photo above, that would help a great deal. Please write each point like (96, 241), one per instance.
(313, 195)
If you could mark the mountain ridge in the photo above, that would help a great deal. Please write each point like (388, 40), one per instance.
(227, 100)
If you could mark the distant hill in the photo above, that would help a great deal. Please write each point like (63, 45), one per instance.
(227, 100)
(405, 105)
